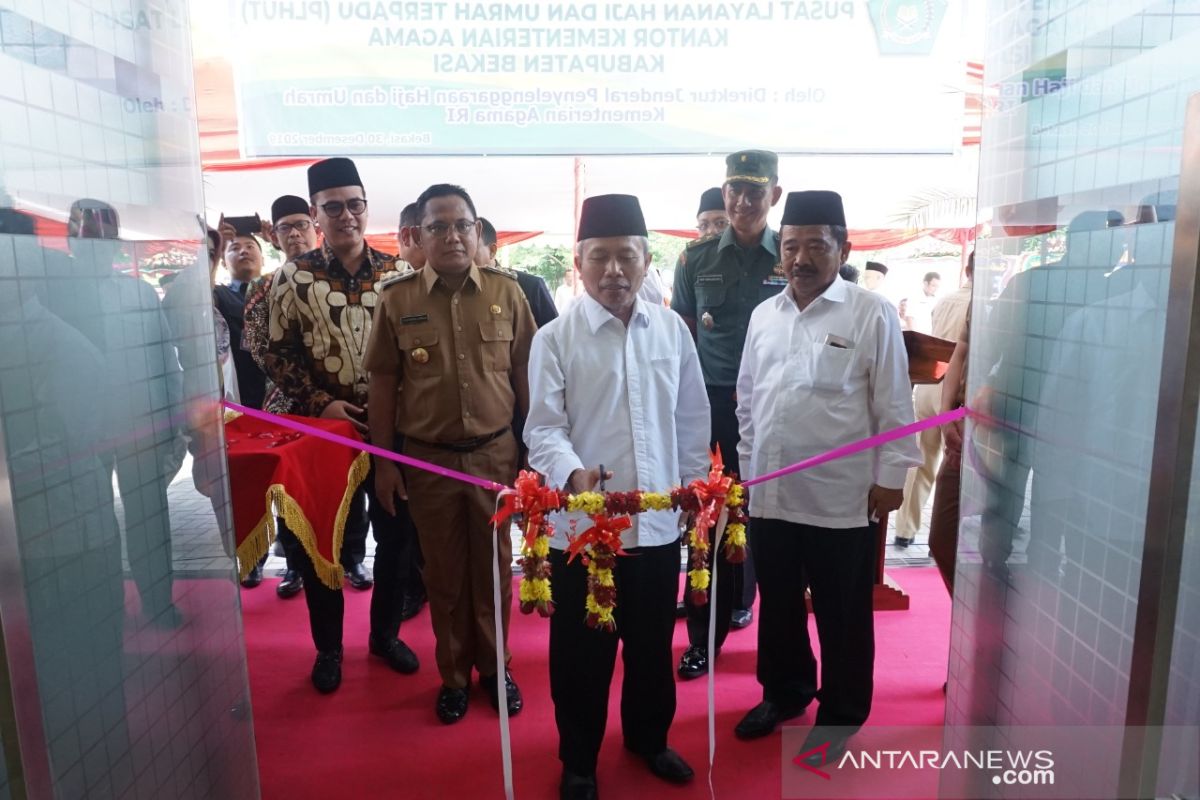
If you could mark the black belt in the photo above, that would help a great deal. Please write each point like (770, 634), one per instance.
(464, 446)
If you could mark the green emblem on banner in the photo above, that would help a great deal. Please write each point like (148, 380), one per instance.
(906, 27)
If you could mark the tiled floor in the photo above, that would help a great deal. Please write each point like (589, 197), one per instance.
(197, 548)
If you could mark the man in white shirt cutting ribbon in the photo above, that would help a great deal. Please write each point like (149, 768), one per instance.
(824, 365)
(616, 381)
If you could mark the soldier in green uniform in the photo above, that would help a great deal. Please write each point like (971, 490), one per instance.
(718, 282)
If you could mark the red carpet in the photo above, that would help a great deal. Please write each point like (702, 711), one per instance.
(377, 736)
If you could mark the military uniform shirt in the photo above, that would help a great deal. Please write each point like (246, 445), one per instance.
(717, 276)
(454, 351)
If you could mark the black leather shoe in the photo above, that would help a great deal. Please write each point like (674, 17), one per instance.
(327, 671)
(741, 618)
(670, 766)
(396, 653)
(901, 542)
(694, 663)
(512, 693)
(412, 606)
(291, 584)
(815, 756)
(359, 577)
(254, 578)
(577, 787)
(764, 718)
(452, 705)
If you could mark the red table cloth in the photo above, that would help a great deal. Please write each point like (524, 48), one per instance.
(308, 480)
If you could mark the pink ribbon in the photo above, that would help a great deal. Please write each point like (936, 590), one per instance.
(863, 444)
(365, 447)
(840, 452)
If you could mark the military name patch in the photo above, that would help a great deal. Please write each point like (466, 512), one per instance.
(413, 319)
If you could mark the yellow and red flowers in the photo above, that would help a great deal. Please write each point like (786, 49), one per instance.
(599, 545)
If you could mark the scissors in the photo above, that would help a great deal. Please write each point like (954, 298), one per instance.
(601, 479)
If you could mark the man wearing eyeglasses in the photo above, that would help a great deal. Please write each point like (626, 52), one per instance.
(718, 282)
(321, 304)
(450, 347)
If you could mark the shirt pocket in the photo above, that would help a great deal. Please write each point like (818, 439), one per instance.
(710, 296)
(420, 352)
(496, 344)
(830, 367)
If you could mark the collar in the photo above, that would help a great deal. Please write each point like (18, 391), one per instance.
(236, 285)
(598, 316)
(767, 241)
(837, 292)
(429, 278)
(371, 262)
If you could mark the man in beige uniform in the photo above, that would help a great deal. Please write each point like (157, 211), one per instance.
(447, 357)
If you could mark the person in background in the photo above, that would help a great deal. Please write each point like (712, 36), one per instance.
(244, 259)
(564, 295)
(321, 306)
(294, 233)
(849, 272)
(718, 282)
(407, 238)
(539, 300)
(948, 317)
(711, 217)
(123, 319)
(616, 381)
(837, 374)
(906, 320)
(921, 309)
(874, 275)
(532, 285)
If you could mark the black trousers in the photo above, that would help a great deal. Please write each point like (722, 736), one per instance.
(582, 659)
(354, 540)
(394, 537)
(838, 567)
(735, 582)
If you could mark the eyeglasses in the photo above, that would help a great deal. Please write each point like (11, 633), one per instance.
(334, 208)
(284, 228)
(441, 230)
(712, 226)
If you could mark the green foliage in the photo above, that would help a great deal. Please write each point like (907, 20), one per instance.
(548, 262)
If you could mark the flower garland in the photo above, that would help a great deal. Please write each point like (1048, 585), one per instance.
(600, 544)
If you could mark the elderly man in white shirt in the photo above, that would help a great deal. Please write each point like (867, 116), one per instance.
(616, 381)
(824, 365)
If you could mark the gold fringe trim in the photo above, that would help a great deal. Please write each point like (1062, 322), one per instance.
(263, 536)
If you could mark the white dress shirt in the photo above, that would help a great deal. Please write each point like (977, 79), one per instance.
(800, 396)
(632, 399)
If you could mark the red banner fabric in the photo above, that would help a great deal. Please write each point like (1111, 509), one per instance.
(308, 480)
(386, 242)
